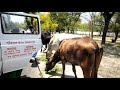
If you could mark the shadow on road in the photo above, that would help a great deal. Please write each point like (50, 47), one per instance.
(112, 50)
(53, 74)
(34, 64)
(25, 76)
(58, 74)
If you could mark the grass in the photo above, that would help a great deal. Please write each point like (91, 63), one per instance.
(42, 58)
(54, 71)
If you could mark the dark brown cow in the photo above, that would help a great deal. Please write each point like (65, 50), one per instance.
(45, 37)
(84, 52)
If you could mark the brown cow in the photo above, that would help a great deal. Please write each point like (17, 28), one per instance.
(84, 52)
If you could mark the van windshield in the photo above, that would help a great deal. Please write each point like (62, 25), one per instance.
(19, 24)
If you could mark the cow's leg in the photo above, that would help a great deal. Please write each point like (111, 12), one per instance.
(98, 60)
(63, 66)
(94, 73)
(45, 46)
(91, 65)
(74, 70)
(86, 72)
(41, 47)
(87, 65)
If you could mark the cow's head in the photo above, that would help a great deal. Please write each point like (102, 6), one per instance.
(52, 60)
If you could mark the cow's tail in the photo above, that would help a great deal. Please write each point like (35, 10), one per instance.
(98, 53)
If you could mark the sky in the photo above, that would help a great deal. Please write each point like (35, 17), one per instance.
(85, 17)
(17, 19)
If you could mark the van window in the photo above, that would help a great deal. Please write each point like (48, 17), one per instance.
(16, 24)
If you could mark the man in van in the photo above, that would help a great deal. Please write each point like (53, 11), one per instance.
(30, 29)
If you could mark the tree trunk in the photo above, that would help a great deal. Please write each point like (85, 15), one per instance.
(92, 31)
(107, 16)
(116, 36)
(68, 30)
(32, 21)
(105, 31)
(72, 31)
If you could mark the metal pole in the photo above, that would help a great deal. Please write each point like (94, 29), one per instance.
(38, 68)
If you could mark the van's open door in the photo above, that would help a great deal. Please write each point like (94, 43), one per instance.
(20, 39)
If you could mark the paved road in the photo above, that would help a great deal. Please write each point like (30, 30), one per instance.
(31, 71)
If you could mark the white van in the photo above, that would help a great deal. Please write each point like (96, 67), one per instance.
(17, 46)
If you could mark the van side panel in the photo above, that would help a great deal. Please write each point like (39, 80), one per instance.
(17, 53)
(0, 53)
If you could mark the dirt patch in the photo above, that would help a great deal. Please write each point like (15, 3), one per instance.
(110, 64)
(109, 67)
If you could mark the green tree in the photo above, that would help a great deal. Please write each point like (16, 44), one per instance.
(66, 20)
(99, 22)
(59, 18)
(74, 18)
(107, 17)
(47, 22)
(83, 26)
(115, 25)
(92, 22)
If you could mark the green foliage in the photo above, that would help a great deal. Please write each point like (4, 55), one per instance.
(99, 22)
(35, 24)
(84, 26)
(115, 22)
(42, 58)
(47, 23)
(66, 20)
(22, 25)
(28, 21)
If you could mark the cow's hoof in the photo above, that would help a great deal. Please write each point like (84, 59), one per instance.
(63, 76)
(46, 72)
(75, 76)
